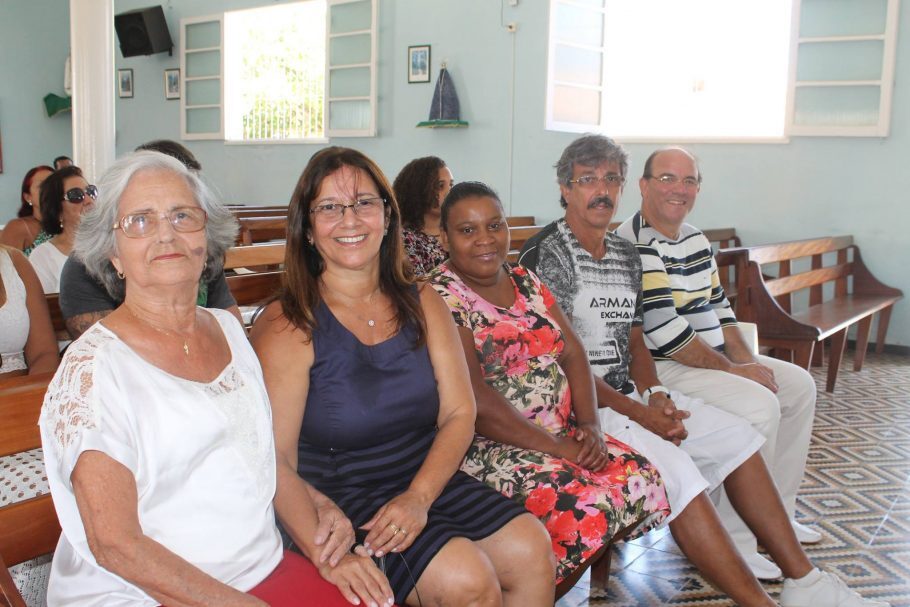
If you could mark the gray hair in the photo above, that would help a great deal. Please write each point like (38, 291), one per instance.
(95, 242)
(589, 150)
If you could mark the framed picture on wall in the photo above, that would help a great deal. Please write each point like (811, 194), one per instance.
(172, 84)
(125, 83)
(419, 63)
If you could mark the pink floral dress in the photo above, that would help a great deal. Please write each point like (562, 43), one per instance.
(518, 349)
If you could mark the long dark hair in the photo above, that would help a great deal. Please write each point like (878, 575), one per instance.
(52, 198)
(26, 209)
(416, 190)
(304, 265)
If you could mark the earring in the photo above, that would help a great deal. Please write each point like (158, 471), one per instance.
(120, 275)
(385, 232)
(310, 240)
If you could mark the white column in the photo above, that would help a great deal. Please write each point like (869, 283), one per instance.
(92, 49)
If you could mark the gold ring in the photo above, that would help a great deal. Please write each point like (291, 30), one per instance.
(403, 532)
(393, 527)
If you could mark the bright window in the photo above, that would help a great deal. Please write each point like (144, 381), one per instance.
(274, 72)
(295, 72)
(721, 70)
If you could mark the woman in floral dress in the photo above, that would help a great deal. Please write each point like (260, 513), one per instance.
(420, 188)
(544, 448)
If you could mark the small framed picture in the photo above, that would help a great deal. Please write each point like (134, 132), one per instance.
(419, 63)
(172, 83)
(125, 83)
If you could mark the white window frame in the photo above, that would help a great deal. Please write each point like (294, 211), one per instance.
(184, 107)
(886, 84)
(371, 130)
(329, 132)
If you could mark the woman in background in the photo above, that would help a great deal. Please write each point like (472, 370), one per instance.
(65, 195)
(420, 188)
(26, 334)
(25, 232)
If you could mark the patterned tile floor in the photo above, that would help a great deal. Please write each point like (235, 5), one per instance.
(856, 492)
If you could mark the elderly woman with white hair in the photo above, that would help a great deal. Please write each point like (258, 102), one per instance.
(156, 428)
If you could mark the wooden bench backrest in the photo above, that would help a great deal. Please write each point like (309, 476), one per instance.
(516, 221)
(267, 254)
(787, 282)
(262, 229)
(53, 306)
(253, 289)
(29, 528)
(270, 211)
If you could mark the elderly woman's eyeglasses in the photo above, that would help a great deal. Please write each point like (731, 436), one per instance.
(182, 219)
(77, 195)
(362, 207)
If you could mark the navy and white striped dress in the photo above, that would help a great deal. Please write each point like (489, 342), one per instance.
(369, 423)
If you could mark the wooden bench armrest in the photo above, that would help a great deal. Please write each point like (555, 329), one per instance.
(28, 529)
(756, 305)
(865, 283)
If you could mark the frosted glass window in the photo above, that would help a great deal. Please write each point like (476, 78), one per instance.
(203, 35)
(837, 106)
(203, 92)
(350, 17)
(576, 105)
(577, 65)
(349, 82)
(203, 120)
(350, 115)
(842, 17)
(848, 60)
(578, 25)
(205, 63)
(347, 50)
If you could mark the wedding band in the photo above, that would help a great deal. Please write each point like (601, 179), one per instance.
(394, 527)
(403, 532)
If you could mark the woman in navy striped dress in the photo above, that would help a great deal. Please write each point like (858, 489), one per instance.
(373, 408)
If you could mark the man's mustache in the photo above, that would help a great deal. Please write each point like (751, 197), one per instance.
(605, 200)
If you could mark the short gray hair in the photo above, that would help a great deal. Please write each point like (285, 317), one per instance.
(95, 242)
(589, 150)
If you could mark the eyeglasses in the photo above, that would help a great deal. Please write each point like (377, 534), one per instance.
(77, 195)
(667, 179)
(362, 207)
(182, 219)
(611, 179)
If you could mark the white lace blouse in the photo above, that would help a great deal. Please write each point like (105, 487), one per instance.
(202, 455)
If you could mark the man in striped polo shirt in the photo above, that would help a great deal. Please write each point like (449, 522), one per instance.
(691, 330)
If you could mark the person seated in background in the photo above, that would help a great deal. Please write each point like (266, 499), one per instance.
(25, 232)
(65, 195)
(596, 277)
(372, 403)
(84, 300)
(156, 430)
(26, 335)
(420, 188)
(62, 162)
(535, 443)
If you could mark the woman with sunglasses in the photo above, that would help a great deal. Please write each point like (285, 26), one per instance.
(24, 232)
(65, 195)
(156, 429)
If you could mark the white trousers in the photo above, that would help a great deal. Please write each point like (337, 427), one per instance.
(717, 444)
(784, 419)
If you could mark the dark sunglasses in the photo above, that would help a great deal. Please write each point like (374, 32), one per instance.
(78, 194)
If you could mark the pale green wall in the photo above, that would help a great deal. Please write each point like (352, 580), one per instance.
(34, 43)
(808, 187)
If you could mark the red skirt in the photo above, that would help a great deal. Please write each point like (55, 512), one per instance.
(296, 582)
